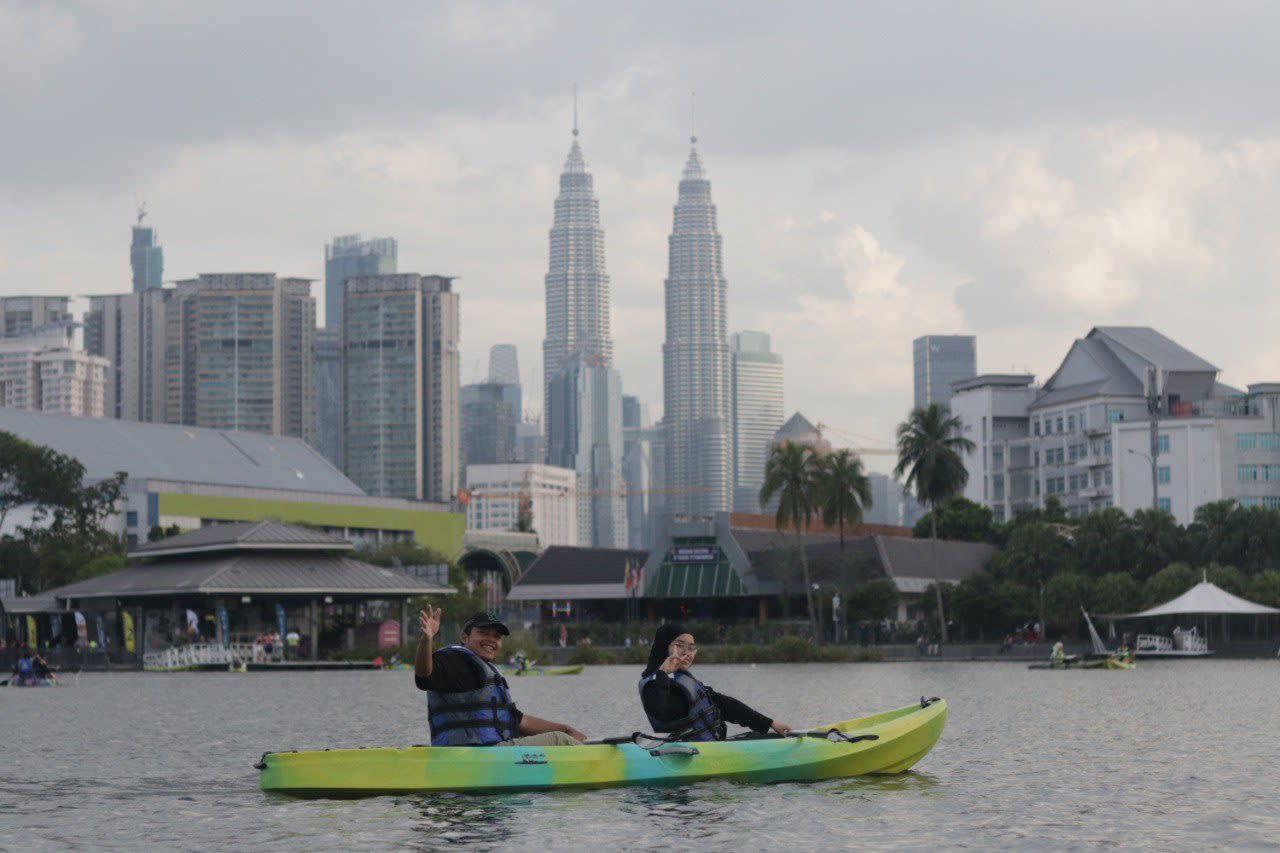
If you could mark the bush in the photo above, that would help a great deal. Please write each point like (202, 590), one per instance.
(592, 656)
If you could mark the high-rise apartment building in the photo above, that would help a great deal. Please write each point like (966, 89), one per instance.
(697, 388)
(584, 413)
(40, 370)
(940, 361)
(146, 257)
(400, 370)
(239, 354)
(349, 256)
(129, 331)
(543, 495)
(643, 467)
(757, 413)
(328, 385)
(21, 314)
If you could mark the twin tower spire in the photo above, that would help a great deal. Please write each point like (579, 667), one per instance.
(696, 366)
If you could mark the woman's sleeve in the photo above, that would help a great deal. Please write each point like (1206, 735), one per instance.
(739, 713)
(662, 699)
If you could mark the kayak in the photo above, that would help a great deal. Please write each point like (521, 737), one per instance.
(1100, 663)
(38, 682)
(543, 670)
(890, 742)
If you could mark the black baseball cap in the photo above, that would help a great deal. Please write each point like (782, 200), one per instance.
(482, 619)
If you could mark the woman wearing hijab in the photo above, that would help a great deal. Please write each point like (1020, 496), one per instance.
(679, 704)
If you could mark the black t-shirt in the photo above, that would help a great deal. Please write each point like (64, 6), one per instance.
(453, 671)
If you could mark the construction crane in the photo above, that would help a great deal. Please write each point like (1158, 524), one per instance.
(861, 451)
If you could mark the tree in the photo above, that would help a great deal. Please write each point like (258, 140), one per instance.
(1106, 541)
(960, 519)
(875, 600)
(1116, 593)
(1168, 583)
(1228, 577)
(791, 473)
(1264, 588)
(1161, 541)
(1064, 595)
(843, 489)
(929, 454)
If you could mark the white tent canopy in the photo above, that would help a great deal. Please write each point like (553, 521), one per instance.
(1206, 599)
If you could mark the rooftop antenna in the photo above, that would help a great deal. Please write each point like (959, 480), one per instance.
(575, 109)
(142, 211)
(693, 135)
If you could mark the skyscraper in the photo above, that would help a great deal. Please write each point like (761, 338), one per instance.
(939, 361)
(130, 331)
(757, 414)
(349, 256)
(328, 403)
(238, 353)
(21, 314)
(504, 365)
(400, 385)
(490, 412)
(582, 392)
(696, 370)
(146, 256)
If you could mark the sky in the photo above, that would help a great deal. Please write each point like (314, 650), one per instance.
(1017, 171)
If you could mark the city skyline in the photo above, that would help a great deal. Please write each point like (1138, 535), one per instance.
(1012, 203)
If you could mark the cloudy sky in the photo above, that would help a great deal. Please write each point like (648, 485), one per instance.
(1018, 171)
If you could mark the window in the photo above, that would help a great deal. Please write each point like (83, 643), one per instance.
(1246, 473)
(1114, 416)
(1162, 474)
(1071, 423)
(1246, 440)
(1269, 441)
(1270, 472)
(1084, 421)
(1059, 423)
(1107, 478)
(1165, 504)
(1162, 444)
(1106, 447)
(131, 518)
(1035, 427)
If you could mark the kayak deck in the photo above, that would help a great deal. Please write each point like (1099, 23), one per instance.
(575, 669)
(902, 738)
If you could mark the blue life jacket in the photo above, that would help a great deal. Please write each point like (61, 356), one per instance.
(481, 717)
(703, 721)
(24, 668)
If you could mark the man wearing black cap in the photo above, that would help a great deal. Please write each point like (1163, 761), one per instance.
(469, 703)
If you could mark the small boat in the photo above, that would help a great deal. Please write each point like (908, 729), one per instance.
(576, 669)
(890, 742)
(33, 682)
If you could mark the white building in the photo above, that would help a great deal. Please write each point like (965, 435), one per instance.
(500, 494)
(757, 413)
(1085, 437)
(41, 371)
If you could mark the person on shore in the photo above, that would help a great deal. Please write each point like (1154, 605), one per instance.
(468, 700)
(677, 703)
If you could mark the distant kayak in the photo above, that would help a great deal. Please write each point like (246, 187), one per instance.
(890, 742)
(543, 670)
(1099, 663)
(35, 682)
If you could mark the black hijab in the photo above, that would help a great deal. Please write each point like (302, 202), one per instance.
(661, 649)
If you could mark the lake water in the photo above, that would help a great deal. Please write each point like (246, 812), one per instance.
(1180, 754)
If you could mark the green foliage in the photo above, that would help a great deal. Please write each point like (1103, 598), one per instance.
(1228, 577)
(102, 564)
(1116, 593)
(592, 656)
(1106, 542)
(792, 473)
(156, 533)
(843, 490)
(1034, 553)
(1170, 582)
(960, 520)
(877, 599)
(1264, 588)
(1064, 595)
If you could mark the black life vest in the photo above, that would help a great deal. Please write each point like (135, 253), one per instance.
(481, 717)
(703, 721)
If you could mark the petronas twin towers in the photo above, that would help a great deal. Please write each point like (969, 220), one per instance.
(583, 392)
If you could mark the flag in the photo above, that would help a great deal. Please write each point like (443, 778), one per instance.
(82, 629)
(627, 576)
(102, 630)
(129, 638)
(32, 633)
(224, 625)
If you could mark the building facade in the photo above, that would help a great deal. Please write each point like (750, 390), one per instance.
(328, 396)
(499, 496)
(129, 331)
(490, 412)
(348, 256)
(584, 412)
(239, 354)
(697, 385)
(504, 364)
(758, 413)
(1088, 438)
(940, 361)
(42, 371)
(400, 381)
(21, 314)
(146, 258)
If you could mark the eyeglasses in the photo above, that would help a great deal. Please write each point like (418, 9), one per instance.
(685, 649)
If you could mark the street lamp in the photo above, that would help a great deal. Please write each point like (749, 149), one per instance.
(835, 610)
(1155, 500)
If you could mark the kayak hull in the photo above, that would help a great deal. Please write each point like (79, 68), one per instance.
(903, 737)
(544, 670)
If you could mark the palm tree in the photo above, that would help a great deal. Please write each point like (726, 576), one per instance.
(929, 453)
(791, 473)
(843, 490)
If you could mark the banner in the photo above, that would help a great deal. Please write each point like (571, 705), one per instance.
(224, 625)
(102, 630)
(32, 633)
(82, 629)
(193, 625)
(55, 628)
(280, 620)
(130, 640)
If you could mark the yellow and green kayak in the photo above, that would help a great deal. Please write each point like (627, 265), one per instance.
(543, 670)
(890, 742)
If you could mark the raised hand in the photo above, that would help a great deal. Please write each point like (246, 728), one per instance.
(430, 619)
(670, 665)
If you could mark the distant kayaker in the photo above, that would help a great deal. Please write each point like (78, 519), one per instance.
(1059, 654)
(24, 668)
(679, 704)
(468, 700)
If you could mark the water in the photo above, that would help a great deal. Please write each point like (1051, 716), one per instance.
(1178, 754)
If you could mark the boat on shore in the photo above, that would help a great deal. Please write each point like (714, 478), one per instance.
(886, 743)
